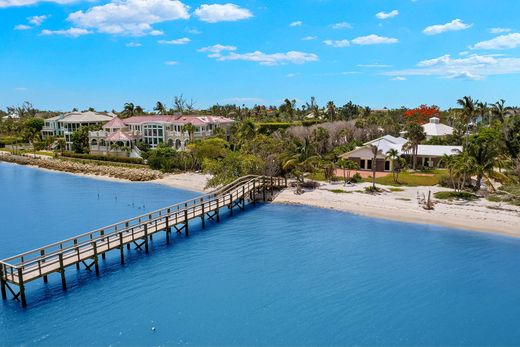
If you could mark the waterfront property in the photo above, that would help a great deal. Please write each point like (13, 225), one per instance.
(434, 128)
(65, 124)
(86, 248)
(428, 156)
(121, 136)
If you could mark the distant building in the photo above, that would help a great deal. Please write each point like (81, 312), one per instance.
(121, 136)
(428, 156)
(65, 124)
(436, 128)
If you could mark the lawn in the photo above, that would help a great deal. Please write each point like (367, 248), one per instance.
(411, 179)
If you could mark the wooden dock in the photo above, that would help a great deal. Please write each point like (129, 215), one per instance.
(85, 249)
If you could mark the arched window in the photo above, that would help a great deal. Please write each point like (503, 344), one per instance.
(178, 144)
(93, 142)
(170, 142)
(102, 143)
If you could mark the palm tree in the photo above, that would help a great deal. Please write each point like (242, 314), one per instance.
(375, 151)
(393, 156)
(347, 166)
(482, 109)
(190, 129)
(415, 134)
(160, 108)
(499, 110)
(483, 148)
(468, 108)
(139, 110)
(128, 110)
(331, 110)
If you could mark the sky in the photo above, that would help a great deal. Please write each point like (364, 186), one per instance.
(62, 54)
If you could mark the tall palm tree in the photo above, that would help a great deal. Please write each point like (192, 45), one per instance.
(331, 110)
(500, 111)
(393, 156)
(160, 108)
(415, 134)
(128, 110)
(190, 129)
(481, 109)
(375, 151)
(139, 110)
(468, 108)
(483, 148)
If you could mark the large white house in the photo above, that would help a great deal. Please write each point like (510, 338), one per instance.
(428, 156)
(121, 136)
(65, 124)
(435, 128)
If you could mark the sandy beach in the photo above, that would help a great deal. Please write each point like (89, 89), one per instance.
(481, 215)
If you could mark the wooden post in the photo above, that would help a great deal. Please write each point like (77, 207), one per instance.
(254, 193)
(2, 283)
(94, 244)
(42, 253)
(128, 244)
(218, 210)
(230, 204)
(22, 287)
(285, 182)
(62, 272)
(146, 238)
(103, 254)
(263, 188)
(121, 247)
(167, 229)
(186, 227)
(203, 213)
(243, 198)
(77, 252)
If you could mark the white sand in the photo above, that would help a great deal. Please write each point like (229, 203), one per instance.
(190, 181)
(404, 206)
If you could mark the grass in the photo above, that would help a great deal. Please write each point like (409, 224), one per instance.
(404, 199)
(455, 195)
(340, 191)
(396, 189)
(509, 194)
(411, 179)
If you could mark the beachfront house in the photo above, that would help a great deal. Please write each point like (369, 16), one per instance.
(121, 137)
(65, 124)
(428, 156)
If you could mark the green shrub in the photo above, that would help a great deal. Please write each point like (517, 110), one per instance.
(455, 195)
(356, 178)
(101, 157)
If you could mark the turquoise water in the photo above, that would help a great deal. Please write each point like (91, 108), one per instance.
(272, 275)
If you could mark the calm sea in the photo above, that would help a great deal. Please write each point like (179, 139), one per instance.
(272, 275)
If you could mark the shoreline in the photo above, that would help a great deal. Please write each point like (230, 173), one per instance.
(480, 216)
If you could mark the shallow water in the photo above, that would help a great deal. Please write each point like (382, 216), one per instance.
(272, 275)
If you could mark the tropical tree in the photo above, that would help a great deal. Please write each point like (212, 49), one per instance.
(139, 110)
(329, 168)
(483, 148)
(331, 111)
(347, 166)
(160, 108)
(415, 134)
(375, 151)
(500, 111)
(128, 110)
(393, 156)
(190, 129)
(468, 108)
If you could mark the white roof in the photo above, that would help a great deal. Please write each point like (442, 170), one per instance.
(438, 151)
(387, 138)
(87, 117)
(434, 128)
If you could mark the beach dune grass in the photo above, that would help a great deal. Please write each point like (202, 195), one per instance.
(411, 179)
(455, 195)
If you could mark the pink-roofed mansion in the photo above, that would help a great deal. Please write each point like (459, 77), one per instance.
(121, 136)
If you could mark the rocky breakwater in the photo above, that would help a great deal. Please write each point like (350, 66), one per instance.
(121, 172)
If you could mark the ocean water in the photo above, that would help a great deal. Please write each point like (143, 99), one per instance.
(272, 275)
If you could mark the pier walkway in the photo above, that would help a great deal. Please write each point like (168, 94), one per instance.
(85, 249)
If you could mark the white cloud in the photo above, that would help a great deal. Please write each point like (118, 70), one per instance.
(130, 17)
(341, 25)
(37, 20)
(337, 43)
(222, 13)
(216, 50)
(16, 3)
(171, 62)
(133, 44)
(309, 38)
(374, 40)
(454, 25)
(386, 15)
(499, 42)
(499, 30)
(22, 27)
(71, 32)
(473, 67)
(293, 57)
(399, 78)
(156, 33)
(193, 31)
(298, 23)
(181, 41)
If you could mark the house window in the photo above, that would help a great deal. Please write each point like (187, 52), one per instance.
(387, 165)
(369, 164)
(362, 163)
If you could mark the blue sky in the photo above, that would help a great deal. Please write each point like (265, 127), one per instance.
(61, 54)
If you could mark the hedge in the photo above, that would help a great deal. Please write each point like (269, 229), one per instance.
(100, 157)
